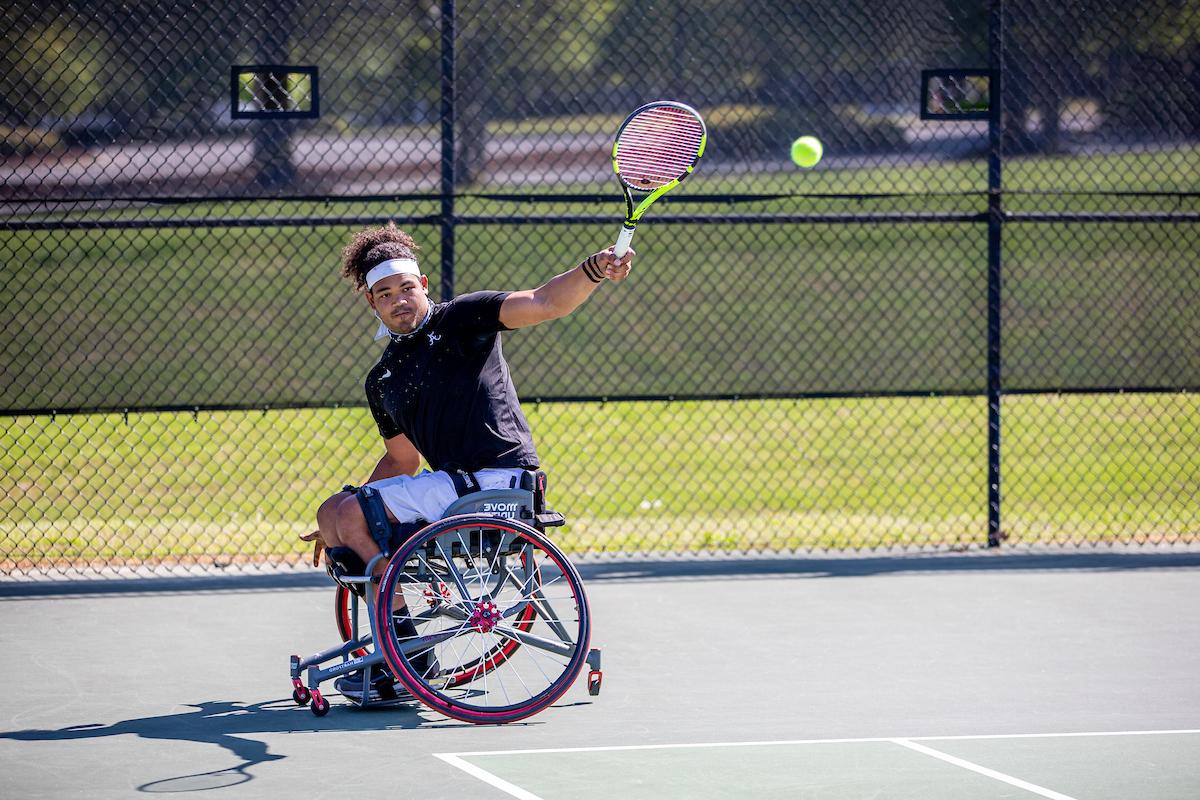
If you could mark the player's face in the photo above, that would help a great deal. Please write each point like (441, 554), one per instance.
(401, 301)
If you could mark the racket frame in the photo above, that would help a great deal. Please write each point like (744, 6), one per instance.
(632, 214)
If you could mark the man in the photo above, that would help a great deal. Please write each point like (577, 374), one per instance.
(442, 388)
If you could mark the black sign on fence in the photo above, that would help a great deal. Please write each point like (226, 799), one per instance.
(262, 91)
(956, 94)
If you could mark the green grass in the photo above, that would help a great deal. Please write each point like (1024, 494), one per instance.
(743, 476)
(259, 317)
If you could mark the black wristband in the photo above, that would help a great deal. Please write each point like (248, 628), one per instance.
(592, 271)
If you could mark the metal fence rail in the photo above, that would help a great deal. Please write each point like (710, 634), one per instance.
(968, 327)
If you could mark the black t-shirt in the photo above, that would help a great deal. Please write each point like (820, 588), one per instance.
(447, 388)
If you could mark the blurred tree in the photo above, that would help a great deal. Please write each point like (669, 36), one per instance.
(537, 58)
(862, 52)
(170, 62)
(1137, 59)
(1153, 75)
(379, 64)
(51, 64)
(779, 66)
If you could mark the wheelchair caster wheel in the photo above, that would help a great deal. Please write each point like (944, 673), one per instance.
(301, 695)
(320, 706)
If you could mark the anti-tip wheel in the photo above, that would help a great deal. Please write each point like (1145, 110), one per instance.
(320, 706)
(301, 696)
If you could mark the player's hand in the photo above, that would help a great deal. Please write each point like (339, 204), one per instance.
(615, 269)
(318, 545)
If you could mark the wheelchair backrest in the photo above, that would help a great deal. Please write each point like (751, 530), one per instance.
(512, 503)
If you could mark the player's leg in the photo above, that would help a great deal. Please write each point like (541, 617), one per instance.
(327, 515)
(345, 510)
(405, 498)
(423, 497)
(351, 525)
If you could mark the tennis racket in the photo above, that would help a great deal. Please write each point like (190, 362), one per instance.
(657, 147)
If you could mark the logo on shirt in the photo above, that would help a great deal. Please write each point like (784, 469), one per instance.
(434, 337)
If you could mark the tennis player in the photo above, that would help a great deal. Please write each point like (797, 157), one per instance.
(442, 389)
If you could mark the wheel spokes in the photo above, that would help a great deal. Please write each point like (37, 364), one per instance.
(498, 625)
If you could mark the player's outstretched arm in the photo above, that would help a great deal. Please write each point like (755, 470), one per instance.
(564, 293)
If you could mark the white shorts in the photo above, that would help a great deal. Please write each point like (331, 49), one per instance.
(428, 494)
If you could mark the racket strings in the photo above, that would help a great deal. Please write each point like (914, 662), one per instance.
(658, 146)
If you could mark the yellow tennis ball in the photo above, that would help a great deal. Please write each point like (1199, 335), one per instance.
(806, 151)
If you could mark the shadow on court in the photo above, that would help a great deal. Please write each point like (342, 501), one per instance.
(226, 724)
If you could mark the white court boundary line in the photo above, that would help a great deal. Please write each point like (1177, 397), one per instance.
(456, 759)
(985, 771)
(487, 777)
(813, 741)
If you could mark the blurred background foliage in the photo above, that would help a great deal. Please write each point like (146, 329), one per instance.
(87, 73)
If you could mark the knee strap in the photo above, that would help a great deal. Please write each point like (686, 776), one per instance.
(376, 515)
(388, 535)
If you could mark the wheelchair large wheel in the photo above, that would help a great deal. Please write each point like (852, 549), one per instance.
(500, 613)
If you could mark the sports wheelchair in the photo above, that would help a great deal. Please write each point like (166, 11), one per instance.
(479, 615)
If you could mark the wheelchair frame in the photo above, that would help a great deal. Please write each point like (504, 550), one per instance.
(492, 522)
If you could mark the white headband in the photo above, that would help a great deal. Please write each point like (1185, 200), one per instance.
(393, 266)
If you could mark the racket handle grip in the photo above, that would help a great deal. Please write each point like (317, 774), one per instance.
(623, 240)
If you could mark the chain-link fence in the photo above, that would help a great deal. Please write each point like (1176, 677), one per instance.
(974, 322)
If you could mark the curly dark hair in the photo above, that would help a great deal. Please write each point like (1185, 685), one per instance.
(374, 246)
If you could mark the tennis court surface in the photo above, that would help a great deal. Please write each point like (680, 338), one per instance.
(1008, 675)
(1094, 765)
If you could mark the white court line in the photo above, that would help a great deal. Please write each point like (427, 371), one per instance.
(487, 777)
(815, 741)
(990, 773)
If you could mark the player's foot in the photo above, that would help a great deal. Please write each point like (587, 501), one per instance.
(382, 686)
(426, 665)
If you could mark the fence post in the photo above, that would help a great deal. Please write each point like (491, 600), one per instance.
(448, 147)
(995, 238)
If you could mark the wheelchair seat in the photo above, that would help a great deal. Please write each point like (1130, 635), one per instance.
(526, 501)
